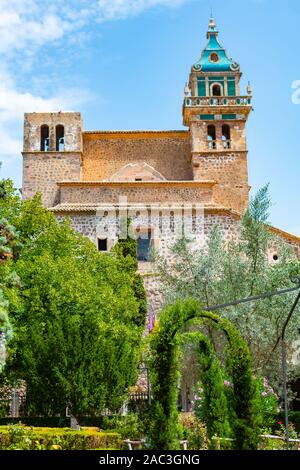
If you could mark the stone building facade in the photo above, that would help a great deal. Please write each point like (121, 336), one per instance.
(163, 180)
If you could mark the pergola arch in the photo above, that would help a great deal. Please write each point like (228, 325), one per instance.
(164, 368)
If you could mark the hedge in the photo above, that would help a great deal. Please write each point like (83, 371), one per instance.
(40, 421)
(52, 438)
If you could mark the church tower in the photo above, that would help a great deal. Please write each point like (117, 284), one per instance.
(216, 115)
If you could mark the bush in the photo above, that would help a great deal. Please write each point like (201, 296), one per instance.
(19, 437)
(268, 403)
(294, 418)
(132, 426)
(194, 431)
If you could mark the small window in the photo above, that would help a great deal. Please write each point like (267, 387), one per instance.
(102, 244)
(138, 179)
(144, 248)
(216, 90)
(45, 142)
(214, 57)
(211, 132)
(211, 136)
(60, 138)
(226, 136)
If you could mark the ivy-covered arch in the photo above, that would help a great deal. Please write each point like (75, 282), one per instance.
(164, 369)
(215, 406)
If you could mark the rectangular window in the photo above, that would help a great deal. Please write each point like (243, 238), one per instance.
(201, 87)
(231, 86)
(228, 117)
(143, 249)
(102, 244)
(207, 117)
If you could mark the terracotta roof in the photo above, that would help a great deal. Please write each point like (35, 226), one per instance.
(74, 207)
(139, 132)
(288, 236)
(187, 183)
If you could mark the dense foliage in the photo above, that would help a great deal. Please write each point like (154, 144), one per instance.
(214, 406)
(77, 315)
(19, 437)
(225, 271)
(9, 244)
(127, 248)
(243, 417)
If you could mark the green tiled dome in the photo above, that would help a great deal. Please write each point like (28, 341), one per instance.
(214, 57)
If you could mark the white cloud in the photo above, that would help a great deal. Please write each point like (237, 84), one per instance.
(115, 9)
(13, 105)
(28, 25)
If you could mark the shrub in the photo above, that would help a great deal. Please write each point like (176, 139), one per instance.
(25, 438)
(268, 403)
(132, 426)
(194, 431)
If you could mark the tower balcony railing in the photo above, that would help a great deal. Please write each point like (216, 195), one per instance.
(192, 101)
(211, 144)
(226, 144)
(219, 144)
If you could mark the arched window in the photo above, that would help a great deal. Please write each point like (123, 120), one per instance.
(60, 138)
(216, 90)
(226, 136)
(45, 147)
(211, 136)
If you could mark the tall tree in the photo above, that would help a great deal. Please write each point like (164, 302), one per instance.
(76, 339)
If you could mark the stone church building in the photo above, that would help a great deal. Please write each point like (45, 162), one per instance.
(161, 179)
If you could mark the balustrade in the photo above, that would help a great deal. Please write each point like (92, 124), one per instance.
(218, 101)
(219, 144)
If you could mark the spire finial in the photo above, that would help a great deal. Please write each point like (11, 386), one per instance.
(212, 24)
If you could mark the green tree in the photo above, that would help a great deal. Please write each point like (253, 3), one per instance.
(9, 244)
(126, 248)
(76, 339)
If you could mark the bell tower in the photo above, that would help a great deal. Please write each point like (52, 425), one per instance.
(216, 114)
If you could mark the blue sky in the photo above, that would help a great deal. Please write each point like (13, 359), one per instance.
(123, 64)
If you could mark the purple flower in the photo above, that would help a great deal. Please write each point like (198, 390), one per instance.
(264, 394)
(227, 383)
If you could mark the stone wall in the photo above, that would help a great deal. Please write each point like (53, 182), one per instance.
(156, 192)
(42, 170)
(166, 228)
(230, 172)
(71, 122)
(228, 167)
(199, 135)
(105, 154)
